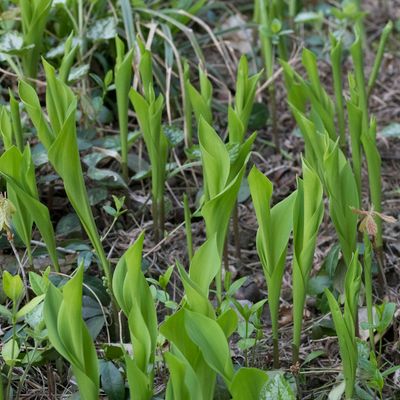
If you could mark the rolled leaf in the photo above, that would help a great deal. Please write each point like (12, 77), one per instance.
(69, 335)
(275, 226)
(307, 217)
(133, 295)
(58, 136)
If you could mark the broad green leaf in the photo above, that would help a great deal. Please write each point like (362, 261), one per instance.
(10, 352)
(13, 286)
(112, 381)
(201, 100)
(228, 321)
(6, 128)
(34, 14)
(248, 383)
(27, 308)
(194, 295)
(103, 29)
(183, 383)
(217, 211)
(215, 160)
(205, 265)
(174, 329)
(277, 388)
(210, 338)
(343, 197)
(4, 312)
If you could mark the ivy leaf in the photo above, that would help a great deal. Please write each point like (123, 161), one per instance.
(277, 389)
(112, 381)
(103, 29)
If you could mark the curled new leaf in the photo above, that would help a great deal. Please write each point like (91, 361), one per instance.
(275, 226)
(307, 217)
(134, 297)
(69, 335)
(345, 323)
(58, 136)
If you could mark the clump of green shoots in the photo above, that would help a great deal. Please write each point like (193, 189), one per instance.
(149, 108)
(17, 168)
(70, 50)
(275, 226)
(57, 136)
(34, 15)
(307, 217)
(201, 100)
(262, 16)
(123, 78)
(19, 172)
(134, 297)
(222, 181)
(346, 323)
(239, 114)
(69, 334)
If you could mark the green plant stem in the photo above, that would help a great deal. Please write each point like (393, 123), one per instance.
(368, 288)
(161, 217)
(292, 11)
(218, 278)
(21, 267)
(236, 231)
(379, 57)
(106, 267)
(274, 117)
(188, 129)
(14, 337)
(188, 227)
(267, 50)
(16, 123)
(246, 354)
(1, 388)
(25, 373)
(336, 57)
(156, 228)
(358, 61)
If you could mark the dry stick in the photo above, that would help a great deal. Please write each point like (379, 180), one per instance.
(219, 45)
(268, 82)
(35, 81)
(157, 246)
